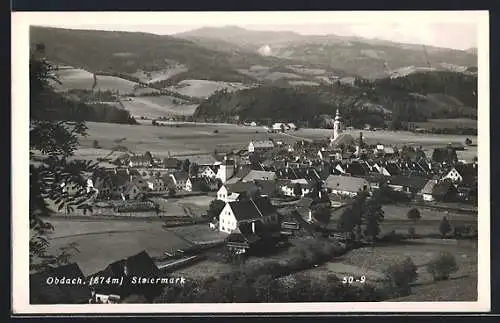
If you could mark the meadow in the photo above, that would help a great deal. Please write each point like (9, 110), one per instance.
(103, 241)
(203, 138)
(204, 88)
(157, 106)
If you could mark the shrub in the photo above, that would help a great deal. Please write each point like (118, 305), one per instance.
(442, 266)
(411, 232)
(401, 275)
(444, 227)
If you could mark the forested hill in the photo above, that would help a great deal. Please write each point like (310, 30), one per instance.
(413, 98)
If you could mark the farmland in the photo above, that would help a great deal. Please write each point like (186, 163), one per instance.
(204, 88)
(199, 138)
(101, 241)
(157, 106)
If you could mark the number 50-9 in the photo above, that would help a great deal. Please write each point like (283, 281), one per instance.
(350, 280)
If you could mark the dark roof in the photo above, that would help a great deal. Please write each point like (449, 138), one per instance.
(415, 182)
(357, 169)
(267, 187)
(392, 168)
(181, 175)
(168, 181)
(241, 187)
(252, 208)
(442, 188)
(43, 293)
(242, 171)
(468, 172)
(171, 163)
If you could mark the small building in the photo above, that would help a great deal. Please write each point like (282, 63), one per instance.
(224, 195)
(201, 184)
(463, 174)
(209, 171)
(260, 146)
(179, 178)
(346, 185)
(171, 164)
(249, 211)
(427, 190)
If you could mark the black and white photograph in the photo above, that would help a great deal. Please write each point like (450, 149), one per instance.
(250, 161)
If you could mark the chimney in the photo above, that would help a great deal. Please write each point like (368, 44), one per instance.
(253, 227)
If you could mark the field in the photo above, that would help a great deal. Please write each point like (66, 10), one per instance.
(100, 242)
(199, 138)
(74, 78)
(448, 123)
(157, 106)
(204, 88)
(160, 75)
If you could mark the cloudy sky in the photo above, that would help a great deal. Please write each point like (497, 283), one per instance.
(456, 29)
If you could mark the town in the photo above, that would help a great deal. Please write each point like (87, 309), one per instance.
(269, 193)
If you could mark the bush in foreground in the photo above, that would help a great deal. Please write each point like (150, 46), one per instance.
(401, 275)
(442, 266)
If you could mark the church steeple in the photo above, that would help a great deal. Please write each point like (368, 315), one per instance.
(337, 125)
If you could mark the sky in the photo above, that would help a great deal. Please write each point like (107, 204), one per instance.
(457, 30)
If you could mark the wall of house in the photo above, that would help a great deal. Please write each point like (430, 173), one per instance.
(227, 220)
(222, 194)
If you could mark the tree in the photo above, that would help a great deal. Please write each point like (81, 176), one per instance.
(172, 192)
(413, 215)
(215, 208)
(468, 142)
(401, 275)
(95, 144)
(148, 156)
(442, 266)
(54, 143)
(372, 217)
(444, 227)
(193, 170)
(185, 165)
(297, 190)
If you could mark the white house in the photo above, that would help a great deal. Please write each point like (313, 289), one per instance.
(179, 179)
(247, 211)
(427, 190)
(156, 184)
(346, 185)
(209, 171)
(278, 126)
(224, 195)
(263, 145)
(291, 126)
(288, 188)
(462, 173)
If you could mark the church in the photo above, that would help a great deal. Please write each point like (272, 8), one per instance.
(338, 137)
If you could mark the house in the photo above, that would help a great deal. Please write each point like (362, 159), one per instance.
(307, 206)
(224, 195)
(357, 169)
(288, 188)
(259, 146)
(249, 211)
(209, 171)
(171, 164)
(226, 170)
(44, 290)
(156, 184)
(291, 126)
(444, 191)
(179, 178)
(244, 189)
(259, 175)
(389, 169)
(197, 184)
(407, 184)
(278, 126)
(465, 174)
(140, 161)
(168, 182)
(267, 187)
(110, 184)
(427, 190)
(140, 266)
(346, 185)
(132, 191)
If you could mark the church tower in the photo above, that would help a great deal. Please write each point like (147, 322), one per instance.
(337, 126)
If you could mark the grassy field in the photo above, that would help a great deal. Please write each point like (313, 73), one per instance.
(160, 75)
(100, 242)
(75, 78)
(204, 88)
(448, 123)
(157, 106)
(190, 138)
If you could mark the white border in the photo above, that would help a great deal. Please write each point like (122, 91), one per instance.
(20, 147)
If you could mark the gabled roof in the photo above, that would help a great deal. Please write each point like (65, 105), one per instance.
(266, 187)
(242, 187)
(43, 293)
(356, 168)
(467, 171)
(180, 176)
(263, 144)
(171, 163)
(392, 168)
(346, 183)
(429, 187)
(415, 182)
(252, 209)
(258, 174)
